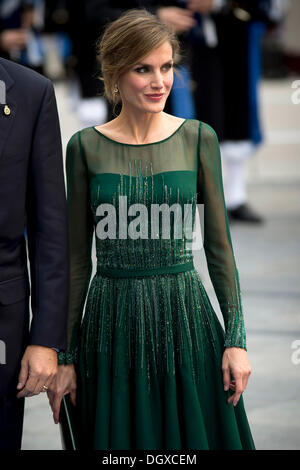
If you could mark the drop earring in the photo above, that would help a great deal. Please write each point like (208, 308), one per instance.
(116, 90)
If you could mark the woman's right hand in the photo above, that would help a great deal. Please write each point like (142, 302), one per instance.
(64, 383)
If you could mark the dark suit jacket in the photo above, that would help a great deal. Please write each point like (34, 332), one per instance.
(32, 200)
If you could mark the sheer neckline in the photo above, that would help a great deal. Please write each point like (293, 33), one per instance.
(141, 145)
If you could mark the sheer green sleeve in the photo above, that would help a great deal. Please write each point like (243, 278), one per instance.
(217, 240)
(80, 242)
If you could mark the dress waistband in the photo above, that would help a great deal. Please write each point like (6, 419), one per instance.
(172, 269)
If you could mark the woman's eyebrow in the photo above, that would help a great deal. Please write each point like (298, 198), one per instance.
(149, 65)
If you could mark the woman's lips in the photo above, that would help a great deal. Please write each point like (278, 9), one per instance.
(155, 97)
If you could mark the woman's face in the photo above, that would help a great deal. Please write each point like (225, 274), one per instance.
(152, 76)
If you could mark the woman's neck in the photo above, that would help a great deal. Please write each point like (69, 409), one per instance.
(140, 128)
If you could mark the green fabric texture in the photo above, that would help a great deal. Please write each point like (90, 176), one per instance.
(148, 345)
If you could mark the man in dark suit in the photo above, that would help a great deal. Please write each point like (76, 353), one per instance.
(32, 201)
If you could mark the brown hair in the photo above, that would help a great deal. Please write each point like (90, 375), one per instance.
(126, 41)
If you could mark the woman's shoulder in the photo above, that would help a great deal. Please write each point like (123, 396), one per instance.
(80, 135)
(198, 128)
(201, 130)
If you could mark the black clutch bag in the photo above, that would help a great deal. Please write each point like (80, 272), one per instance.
(69, 424)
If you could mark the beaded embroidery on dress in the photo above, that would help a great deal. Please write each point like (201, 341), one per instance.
(148, 346)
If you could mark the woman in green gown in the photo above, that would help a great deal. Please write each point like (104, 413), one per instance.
(148, 361)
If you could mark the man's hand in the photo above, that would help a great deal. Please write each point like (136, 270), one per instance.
(38, 368)
(64, 383)
(176, 19)
(13, 39)
(235, 360)
(200, 6)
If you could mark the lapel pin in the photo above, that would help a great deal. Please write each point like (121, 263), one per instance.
(6, 110)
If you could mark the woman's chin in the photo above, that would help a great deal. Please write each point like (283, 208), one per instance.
(155, 107)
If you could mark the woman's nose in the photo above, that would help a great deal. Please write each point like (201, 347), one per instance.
(157, 80)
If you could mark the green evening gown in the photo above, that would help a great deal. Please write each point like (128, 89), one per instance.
(148, 344)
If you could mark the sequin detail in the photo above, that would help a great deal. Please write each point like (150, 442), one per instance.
(148, 324)
(152, 323)
(153, 251)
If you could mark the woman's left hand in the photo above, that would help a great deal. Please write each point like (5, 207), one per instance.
(235, 361)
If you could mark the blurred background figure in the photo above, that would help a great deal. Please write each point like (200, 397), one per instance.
(224, 68)
(21, 22)
(57, 43)
(86, 19)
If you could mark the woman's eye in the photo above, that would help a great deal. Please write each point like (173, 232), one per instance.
(142, 69)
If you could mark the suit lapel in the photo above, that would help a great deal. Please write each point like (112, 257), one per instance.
(6, 120)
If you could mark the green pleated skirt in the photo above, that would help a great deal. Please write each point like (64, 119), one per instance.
(149, 369)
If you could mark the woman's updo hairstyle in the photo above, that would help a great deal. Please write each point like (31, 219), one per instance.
(126, 41)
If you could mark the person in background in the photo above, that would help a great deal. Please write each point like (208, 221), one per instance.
(20, 25)
(225, 71)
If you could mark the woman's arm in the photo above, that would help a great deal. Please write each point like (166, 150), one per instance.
(220, 261)
(217, 240)
(81, 228)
